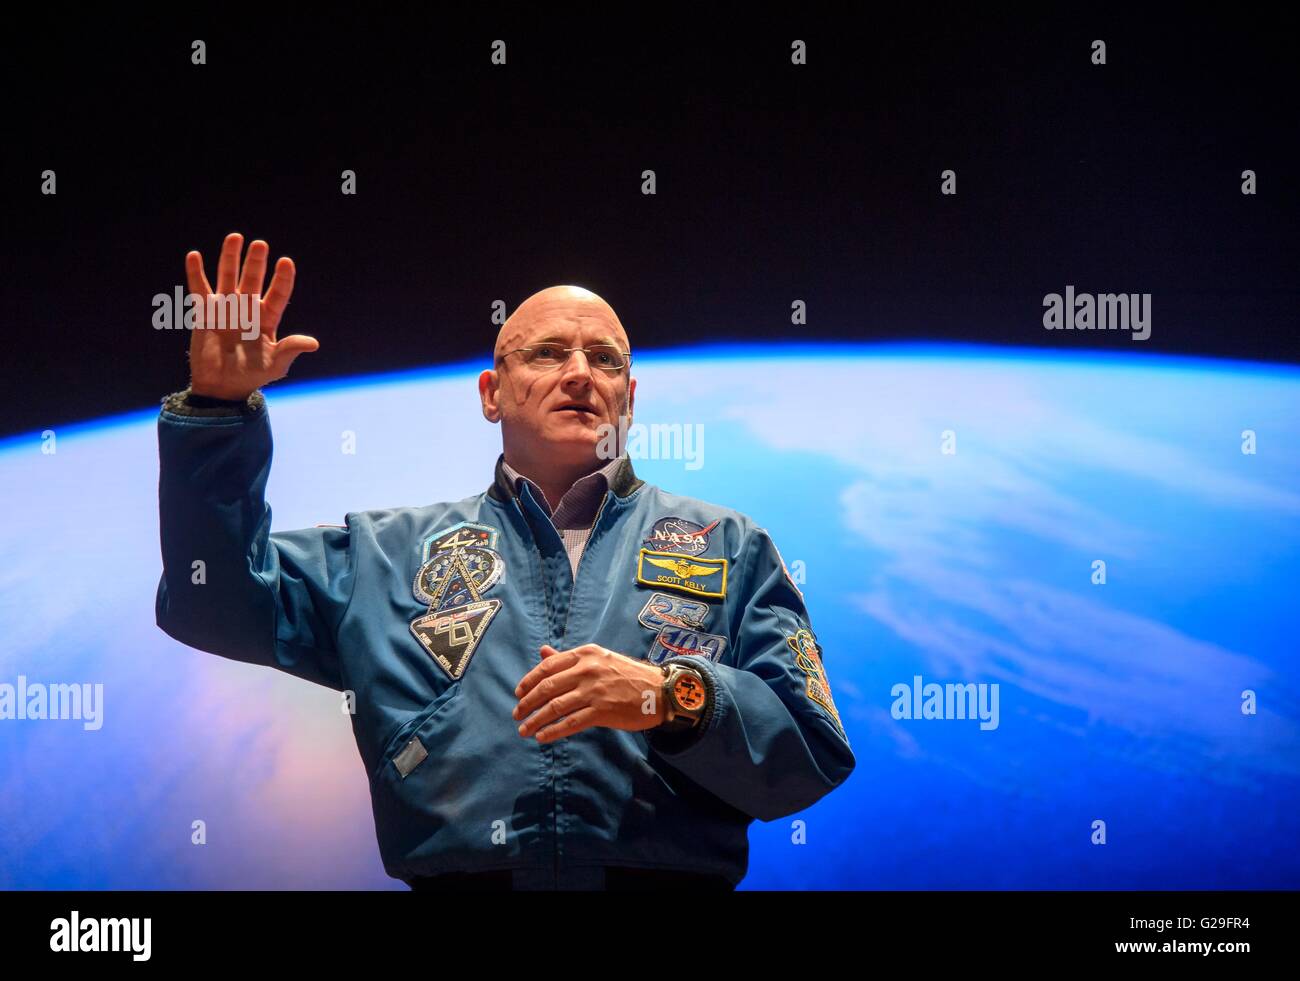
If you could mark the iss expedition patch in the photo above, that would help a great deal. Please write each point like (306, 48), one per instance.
(459, 565)
(451, 636)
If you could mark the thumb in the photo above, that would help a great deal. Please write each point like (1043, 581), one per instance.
(287, 350)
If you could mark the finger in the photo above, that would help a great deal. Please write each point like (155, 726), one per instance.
(254, 274)
(551, 663)
(557, 708)
(277, 297)
(196, 280)
(288, 349)
(537, 673)
(228, 264)
(570, 725)
(546, 690)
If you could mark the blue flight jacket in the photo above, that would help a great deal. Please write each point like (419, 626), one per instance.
(430, 616)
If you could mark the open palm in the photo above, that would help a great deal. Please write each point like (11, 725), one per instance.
(227, 364)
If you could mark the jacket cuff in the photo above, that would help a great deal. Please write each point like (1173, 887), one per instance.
(186, 403)
(673, 743)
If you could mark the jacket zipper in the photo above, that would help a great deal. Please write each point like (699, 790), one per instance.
(564, 630)
(555, 829)
(585, 549)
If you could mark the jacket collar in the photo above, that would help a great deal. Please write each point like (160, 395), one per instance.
(623, 481)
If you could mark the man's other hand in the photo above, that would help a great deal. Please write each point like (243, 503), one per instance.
(588, 686)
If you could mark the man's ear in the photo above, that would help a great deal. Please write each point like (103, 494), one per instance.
(488, 388)
(631, 398)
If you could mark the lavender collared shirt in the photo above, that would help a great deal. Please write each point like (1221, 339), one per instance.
(576, 510)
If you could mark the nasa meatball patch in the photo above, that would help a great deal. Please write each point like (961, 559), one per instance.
(673, 534)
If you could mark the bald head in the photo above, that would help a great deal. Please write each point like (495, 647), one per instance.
(555, 419)
(557, 310)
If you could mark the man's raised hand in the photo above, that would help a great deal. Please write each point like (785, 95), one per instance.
(230, 363)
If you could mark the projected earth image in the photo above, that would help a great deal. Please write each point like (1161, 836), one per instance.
(1113, 541)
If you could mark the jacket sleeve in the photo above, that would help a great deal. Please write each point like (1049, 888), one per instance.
(229, 586)
(772, 742)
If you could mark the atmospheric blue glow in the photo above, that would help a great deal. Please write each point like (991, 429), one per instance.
(1118, 702)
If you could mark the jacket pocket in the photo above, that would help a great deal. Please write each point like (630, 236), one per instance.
(433, 797)
(406, 750)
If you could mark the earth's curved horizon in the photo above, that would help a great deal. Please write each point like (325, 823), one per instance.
(1119, 702)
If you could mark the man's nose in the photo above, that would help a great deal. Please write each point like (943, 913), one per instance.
(577, 366)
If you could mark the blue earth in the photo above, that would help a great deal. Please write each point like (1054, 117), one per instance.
(1112, 541)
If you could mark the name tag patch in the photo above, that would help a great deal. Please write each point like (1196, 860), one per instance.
(693, 575)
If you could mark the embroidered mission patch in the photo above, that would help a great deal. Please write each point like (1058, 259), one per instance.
(662, 610)
(809, 658)
(677, 641)
(459, 565)
(451, 636)
(458, 575)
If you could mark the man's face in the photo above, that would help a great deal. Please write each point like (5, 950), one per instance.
(557, 411)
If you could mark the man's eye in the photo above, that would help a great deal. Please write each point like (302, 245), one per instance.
(545, 351)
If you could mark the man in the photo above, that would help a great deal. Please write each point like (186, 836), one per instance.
(572, 680)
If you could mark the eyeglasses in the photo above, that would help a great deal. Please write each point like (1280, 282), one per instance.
(547, 356)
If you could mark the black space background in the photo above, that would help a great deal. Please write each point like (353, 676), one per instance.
(775, 182)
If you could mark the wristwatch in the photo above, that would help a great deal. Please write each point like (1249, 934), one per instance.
(685, 698)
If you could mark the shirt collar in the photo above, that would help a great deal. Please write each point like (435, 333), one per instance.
(623, 480)
(577, 507)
